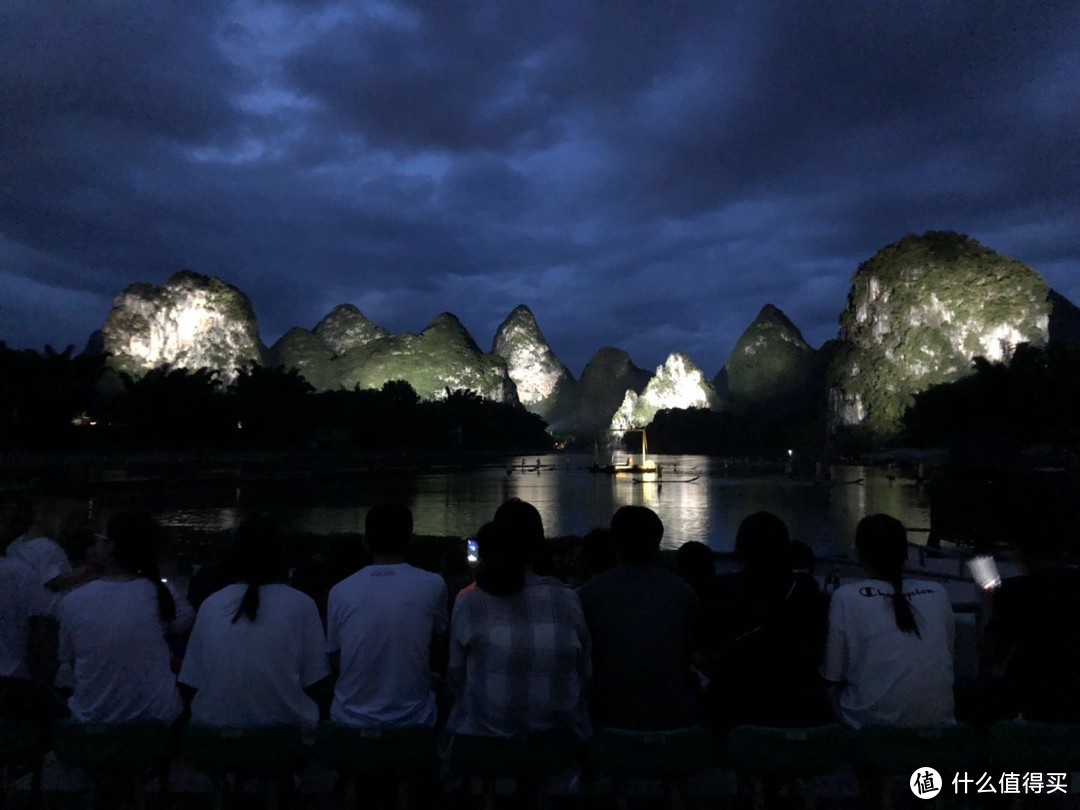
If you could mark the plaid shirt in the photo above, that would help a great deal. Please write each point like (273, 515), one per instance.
(519, 663)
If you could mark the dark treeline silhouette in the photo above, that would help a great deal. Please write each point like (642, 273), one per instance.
(1029, 399)
(62, 401)
(752, 432)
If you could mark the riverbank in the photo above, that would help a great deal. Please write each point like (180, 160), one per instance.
(18, 469)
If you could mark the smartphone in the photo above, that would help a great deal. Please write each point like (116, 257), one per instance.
(474, 551)
(985, 572)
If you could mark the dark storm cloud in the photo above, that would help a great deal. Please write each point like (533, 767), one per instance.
(641, 174)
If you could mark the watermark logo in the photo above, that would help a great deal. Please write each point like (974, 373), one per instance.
(1010, 782)
(925, 783)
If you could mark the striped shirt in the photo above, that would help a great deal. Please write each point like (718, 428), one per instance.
(519, 663)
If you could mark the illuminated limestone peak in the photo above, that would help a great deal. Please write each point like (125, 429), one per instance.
(537, 373)
(191, 321)
(300, 350)
(678, 384)
(918, 312)
(771, 361)
(446, 326)
(441, 359)
(346, 327)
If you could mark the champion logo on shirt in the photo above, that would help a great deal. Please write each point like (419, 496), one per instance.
(869, 590)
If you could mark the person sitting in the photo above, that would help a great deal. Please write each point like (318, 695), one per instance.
(22, 598)
(1034, 629)
(889, 647)
(386, 626)
(762, 635)
(519, 646)
(113, 629)
(642, 621)
(258, 644)
(49, 509)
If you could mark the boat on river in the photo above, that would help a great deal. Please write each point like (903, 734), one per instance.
(626, 466)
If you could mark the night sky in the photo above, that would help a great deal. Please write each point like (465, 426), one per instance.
(641, 174)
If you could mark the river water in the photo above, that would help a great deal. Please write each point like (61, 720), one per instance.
(572, 500)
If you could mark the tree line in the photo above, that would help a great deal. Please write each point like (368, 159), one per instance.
(58, 400)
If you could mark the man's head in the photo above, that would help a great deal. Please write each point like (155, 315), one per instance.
(388, 529)
(636, 532)
(762, 544)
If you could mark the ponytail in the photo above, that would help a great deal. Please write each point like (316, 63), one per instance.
(136, 539)
(882, 544)
(258, 558)
(249, 605)
(905, 617)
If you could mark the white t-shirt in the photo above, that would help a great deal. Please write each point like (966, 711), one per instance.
(884, 674)
(21, 596)
(383, 619)
(111, 634)
(43, 554)
(254, 673)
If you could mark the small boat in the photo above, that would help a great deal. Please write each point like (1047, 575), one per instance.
(659, 480)
(646, 467)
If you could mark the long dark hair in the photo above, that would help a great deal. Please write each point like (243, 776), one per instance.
(136, 543)
(257, 558)
(882, 544)
(506, 546)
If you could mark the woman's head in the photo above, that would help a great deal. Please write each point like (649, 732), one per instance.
(881, 541)
(258, 557)
(507, 545)
(258, 552)
(133, 543)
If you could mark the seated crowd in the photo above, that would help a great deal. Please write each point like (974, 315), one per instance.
(632, 644)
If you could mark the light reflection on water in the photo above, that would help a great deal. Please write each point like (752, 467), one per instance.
(570, 499)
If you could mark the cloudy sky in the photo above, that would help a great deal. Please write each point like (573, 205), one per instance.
(641, 174)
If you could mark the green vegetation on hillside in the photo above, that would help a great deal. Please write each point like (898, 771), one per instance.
(771, 364)
(918, 311)
(441, 359)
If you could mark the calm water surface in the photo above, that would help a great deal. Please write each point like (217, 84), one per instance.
(571, 500)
